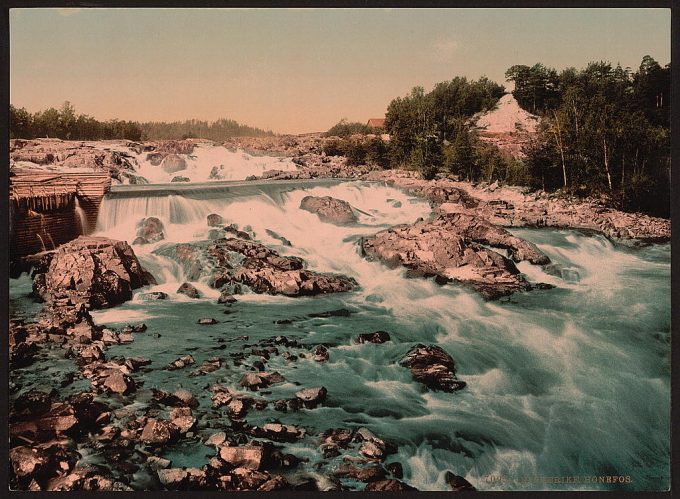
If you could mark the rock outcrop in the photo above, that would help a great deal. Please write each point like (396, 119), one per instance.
(233, 262)
(433, 367)
(452, 248)
(329, 209)
(96, 271)
(173, 163)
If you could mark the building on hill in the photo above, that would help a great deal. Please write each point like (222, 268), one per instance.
(376, 123)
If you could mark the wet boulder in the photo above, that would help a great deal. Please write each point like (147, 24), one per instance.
(375, 337)
(182, 418)
(183, 478)
(458, 483)
(189, 290)
(173, 163)
(226, 298)
(150, 230)
(329, 209)
(180, 363)
(115, 381)
(97, 271)
(276, 482)
(207, 321)
(155, 158)
(26, 461)
(280, 432)
(250, 457)
(320, 353)
(153, 295)
(215, 220)
(454, 247)
(254, 381)
(367, 474)
(433, 367)
(311, 397)
(159, 432)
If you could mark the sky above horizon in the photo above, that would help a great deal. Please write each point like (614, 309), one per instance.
(297, 70)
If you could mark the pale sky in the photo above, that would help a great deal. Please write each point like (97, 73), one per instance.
(297, 70)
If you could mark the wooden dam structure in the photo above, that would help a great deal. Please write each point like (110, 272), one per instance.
(51, 208)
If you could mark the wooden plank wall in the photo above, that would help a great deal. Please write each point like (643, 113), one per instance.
(56, 222)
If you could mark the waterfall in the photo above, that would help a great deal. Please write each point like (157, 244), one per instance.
(82, 217)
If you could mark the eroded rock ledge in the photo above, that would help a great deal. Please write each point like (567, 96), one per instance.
(452, 248)
(232, 262)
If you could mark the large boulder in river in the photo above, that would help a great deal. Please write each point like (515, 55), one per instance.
(215, 220)
(150, 230)
(230, 263)
(433, 367)
(97, 271)
(264, 271)
(173, 163)
(329, 209)
(453, 247)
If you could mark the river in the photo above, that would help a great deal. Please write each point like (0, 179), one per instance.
(572, 381)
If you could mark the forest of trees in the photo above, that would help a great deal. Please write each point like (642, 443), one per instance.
(219, 130)
(604, 129)
(65, 124)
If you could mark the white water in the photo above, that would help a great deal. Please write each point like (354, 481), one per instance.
(231, 165)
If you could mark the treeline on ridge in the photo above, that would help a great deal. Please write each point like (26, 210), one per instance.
(66, 124)
(604, 130)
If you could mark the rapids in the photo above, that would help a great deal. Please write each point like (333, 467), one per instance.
(573, 381)
(208, 163)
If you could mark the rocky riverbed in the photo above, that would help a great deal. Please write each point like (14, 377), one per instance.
(382, 334)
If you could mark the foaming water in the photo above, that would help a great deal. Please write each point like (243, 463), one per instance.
(572, 381)
(214, 162)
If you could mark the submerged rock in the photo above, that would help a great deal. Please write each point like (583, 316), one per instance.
(433, 367)
(150, 230)
(376, 337)
(97, 271)
(153, 295)
(329, 209)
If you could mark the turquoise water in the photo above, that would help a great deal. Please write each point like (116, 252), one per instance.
(573, 381)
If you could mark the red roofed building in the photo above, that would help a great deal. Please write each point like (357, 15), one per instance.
(376, 123)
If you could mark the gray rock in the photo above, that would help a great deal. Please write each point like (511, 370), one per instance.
(329, 209)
